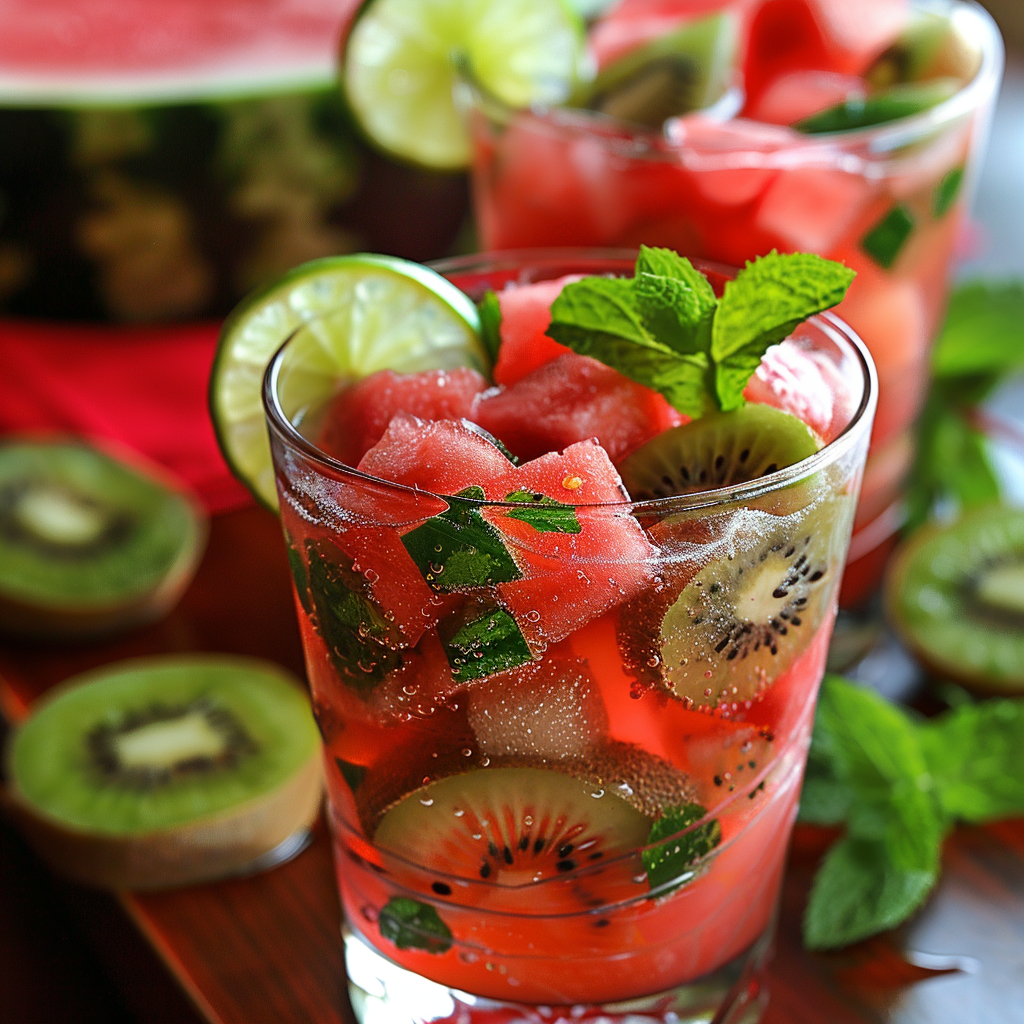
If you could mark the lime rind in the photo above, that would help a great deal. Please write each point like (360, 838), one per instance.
(361, 313)
(400, 67)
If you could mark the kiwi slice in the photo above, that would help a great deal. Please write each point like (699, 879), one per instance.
(166, 771)
(88, 543)
(717, 451)
(929, 47)
(719, 633)
(956, 596)
(683, 71)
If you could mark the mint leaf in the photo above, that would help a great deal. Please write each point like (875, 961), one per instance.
(352, 627)
(976, 757)
(858, 892)
(675, 299)
(410, 924)
(674, 863)
(947, 192)
(353, 774)
(490, 324)
(604, 306)
(491, 642)
(544, 514)
(825, 797)
(899, 101)
(299, 575)
(459, 549)
(984, 332)
(767, 300)
(885, 241)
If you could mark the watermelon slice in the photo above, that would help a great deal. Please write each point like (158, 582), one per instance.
(160, 160)
(525, 316)
(358, 416)
(536, 571)
(569, 400)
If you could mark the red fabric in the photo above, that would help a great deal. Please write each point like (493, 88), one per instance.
(144, 387)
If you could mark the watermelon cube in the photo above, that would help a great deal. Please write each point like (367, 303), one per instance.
(525, 316)
(792, 97)
(358, 416)
(571, 399)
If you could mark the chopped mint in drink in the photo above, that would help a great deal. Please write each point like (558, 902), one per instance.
(889, 105)
(410, 924)
(885, 241)
(947, 192)
(544, 514)
(490, 324)
(491, 642)
(676, 862)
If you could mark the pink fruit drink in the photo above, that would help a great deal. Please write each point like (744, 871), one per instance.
(738, 180)
(549, 784)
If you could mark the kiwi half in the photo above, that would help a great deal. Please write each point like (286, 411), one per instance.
(717, 634)
(89, 544)
(956, 596)
(718, 450)
(166, 771)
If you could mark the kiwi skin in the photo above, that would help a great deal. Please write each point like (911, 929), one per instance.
(202, 851)
(940, 668)
(74, 623)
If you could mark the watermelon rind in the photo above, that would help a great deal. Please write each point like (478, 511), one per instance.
(373, 313)
(403, 59)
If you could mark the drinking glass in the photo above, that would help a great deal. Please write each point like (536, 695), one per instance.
(595, 826)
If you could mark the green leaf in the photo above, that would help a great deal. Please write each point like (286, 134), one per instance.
(891, 104)
(458, 549)
(674, 863)
(947, 192)
(544, 514)
(491, 642)
(983, 335)
(860, 891)
(825, 797)
(885, 241)
(353, 628)
(976, 756)
(410, 924)
(675, 299)
(600, 305)
(762, 306)
(299, 575)
(353, 774)
(490, 324)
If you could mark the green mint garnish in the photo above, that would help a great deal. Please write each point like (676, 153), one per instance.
(410, 924)
(675, 862)
(353, 774)
(490, 324)
(897, 786)
(947, 192)
(889, 105)
(665, 329)
(544, 514)
(299, 575)
(489, 643)
(353, 627)
(459, 549)
(885, 241)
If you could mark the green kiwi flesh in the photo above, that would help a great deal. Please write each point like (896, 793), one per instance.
(929, 48)
(684, 71)
(166, 771)
(89, 544)
(511, 825)
(956, 596)
(719, 633)
(718, 450)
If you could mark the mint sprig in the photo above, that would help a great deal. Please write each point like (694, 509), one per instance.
(410, 924)
(664, 328)
(675, 862)
(898, 786)
(544, 514)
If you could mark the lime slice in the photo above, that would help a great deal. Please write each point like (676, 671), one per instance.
(362, 313)
(399, 67)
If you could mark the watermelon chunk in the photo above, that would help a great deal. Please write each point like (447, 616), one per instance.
(525, 316)
(791, 380)
(358, 416)
(538, 570)
(569, 400)
(794, 96)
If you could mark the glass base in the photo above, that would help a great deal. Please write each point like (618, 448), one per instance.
(382, 992)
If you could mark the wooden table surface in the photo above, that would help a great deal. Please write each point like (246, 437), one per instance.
(267, 948)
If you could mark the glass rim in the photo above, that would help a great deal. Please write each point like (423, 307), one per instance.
(827, 324)
(882, 138)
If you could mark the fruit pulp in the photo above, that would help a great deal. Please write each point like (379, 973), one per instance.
(489, 903)
(735, 189)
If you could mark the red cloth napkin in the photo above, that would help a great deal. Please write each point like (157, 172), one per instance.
(144, 387)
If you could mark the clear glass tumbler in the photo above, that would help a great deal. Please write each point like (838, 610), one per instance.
(890, 202)
(565, 792)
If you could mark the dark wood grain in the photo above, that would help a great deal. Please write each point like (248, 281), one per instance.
(268, 949)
